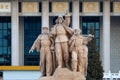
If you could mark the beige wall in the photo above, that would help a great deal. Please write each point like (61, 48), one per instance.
(115, 44)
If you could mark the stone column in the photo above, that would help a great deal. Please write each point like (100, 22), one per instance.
(106, 36)
(75, 14)
(15, 34)
(21, 40)
(45, 14)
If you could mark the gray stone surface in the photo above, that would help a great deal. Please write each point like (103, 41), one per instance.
(64, 74)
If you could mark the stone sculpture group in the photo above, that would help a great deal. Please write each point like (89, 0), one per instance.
(62, 48)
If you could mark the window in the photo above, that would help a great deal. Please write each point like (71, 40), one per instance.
(5, 41)
(20, 7)
(111, 6)
(101, 6)
(40, 6)
(50, 6)
(70, 6)
(32, 29)
(92, 23)
(80, 7)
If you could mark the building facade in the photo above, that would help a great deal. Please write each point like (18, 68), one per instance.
(21, 22)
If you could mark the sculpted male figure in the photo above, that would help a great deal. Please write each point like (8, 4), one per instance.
(76, 49)
(61, 33)
(43, 45)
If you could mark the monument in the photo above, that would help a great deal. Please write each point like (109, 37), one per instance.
(63, 51)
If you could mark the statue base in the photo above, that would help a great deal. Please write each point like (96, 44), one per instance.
(64, 74)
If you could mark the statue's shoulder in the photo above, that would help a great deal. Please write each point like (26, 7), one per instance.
(55, 26)
(40, 35)
(81, 36)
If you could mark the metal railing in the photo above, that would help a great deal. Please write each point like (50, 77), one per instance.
(111, 76)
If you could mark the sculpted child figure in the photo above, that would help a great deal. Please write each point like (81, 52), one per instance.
(43, 45)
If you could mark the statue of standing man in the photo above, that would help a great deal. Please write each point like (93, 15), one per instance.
(84, 55)
(61, 32)
(43, 45)
(78, 47)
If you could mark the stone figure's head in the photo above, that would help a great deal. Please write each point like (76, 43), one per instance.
(45, 29)
(77, 31)
(59, 19)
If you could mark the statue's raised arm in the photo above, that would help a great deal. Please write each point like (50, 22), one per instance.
(67, 18)
(89, 37)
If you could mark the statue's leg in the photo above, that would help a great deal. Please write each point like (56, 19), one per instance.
(86, 64)
(65, 53)
(49, 63)
(79, 62)
(58, 54)
(74, 61)
(83, 66)
(42, 62)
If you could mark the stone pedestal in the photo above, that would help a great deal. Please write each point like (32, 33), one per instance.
(64, 74)
(46, 78)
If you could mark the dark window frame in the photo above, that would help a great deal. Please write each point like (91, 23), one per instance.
(70, 7)
(81, 7)
(40, 7)
(32, 29)
(5, 54)
(93, 20)
(20, 7)
(111, 6)
(101, 6)
(50, 6)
